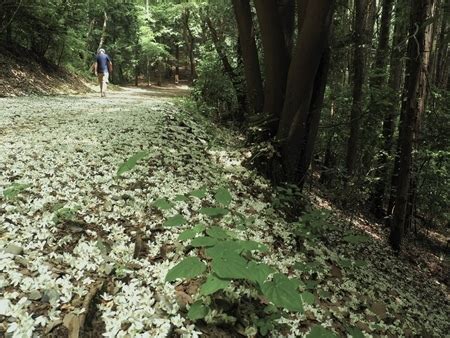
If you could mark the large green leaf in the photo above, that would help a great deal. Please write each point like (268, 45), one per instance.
(214, 212)
(131, 162)
(198, 311)
(223, 196)
(258, 272)
(199, 193)
(174, 221)
(283, 292)
(320, 332)
(163, 204)
(252, 245)
(217, 232)
(308, 298)
(230, 266)
(223, 247)
(203, 241)
(213, 284)
(355, 332)
(189, 268)
(191, 233)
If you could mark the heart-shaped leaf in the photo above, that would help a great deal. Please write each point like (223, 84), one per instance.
(189, 268)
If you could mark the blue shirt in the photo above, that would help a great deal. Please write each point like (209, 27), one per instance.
(102, 63)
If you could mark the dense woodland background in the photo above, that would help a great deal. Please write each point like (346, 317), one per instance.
(352, 94)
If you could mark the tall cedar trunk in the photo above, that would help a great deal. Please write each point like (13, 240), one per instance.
(391, 112)
(312, 124)
(441, 76)
(378, 94)
(252, 71)
(276, 60)
(419, 46)
(190, 42)
(358, 83)
(293, 130)
(177, 65)
(286, 10)
(228, 69)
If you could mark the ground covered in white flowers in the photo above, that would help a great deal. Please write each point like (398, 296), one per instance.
(86, 243)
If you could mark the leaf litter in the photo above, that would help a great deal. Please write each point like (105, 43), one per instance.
(85, 181)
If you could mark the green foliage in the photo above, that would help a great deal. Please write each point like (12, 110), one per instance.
(175, 221)
(190, 267)
(223, 197)
(214, 212)
(11, 192)
(213, 91)
(320, 332)
(65, 214)
(131, 162)
(283, 292)
(203, 241)
(313, 224)
(231, 260)
(356, 239)
(213, 284)
(190, 233)
(163, 204)
(197, 311)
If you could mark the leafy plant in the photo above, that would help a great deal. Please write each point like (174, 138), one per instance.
(65, 214)
(223, 259)
(313, 224)
(131, 162)
(14, 190)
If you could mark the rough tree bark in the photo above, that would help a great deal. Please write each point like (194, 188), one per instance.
(378, 94)
(190, 42)
(419, 46)
(276, 60)
(358, 83)
(391, 112)
(252, 71)
(304, 82)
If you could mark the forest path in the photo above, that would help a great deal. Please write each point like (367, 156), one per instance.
(84, 249)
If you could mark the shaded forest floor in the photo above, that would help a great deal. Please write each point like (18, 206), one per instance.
(22, 73)
(82, 249)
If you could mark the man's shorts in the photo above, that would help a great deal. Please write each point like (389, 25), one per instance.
(103, 77)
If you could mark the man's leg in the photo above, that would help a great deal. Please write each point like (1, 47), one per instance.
(105, 82)
(100, 81)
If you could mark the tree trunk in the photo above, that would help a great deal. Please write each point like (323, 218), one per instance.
(177, 66)
(103, 37)
(190, 42)
(252, 71)
(419, 46)
(286, 11)
(378, 94)
(441, 77)
(312, 124)
(359, 66)
(276, 60)
(304, 78)
(391, 112)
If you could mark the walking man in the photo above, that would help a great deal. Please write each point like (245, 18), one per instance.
(102, 68)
